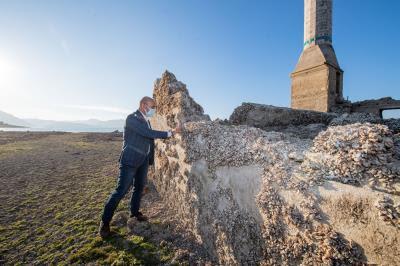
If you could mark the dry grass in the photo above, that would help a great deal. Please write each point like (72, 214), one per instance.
(52, 190)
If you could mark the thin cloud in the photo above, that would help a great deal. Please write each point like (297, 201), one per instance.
(59, 38)
(65, 47)
(110, 109)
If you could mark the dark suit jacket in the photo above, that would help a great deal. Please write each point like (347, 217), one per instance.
(138, 140)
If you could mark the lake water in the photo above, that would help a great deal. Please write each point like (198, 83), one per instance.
(75, 130)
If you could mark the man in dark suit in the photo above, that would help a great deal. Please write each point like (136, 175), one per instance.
(136, 156)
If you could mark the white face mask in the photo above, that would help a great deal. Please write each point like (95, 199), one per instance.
(150, 112)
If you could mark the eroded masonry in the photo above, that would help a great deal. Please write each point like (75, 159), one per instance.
(277, 186)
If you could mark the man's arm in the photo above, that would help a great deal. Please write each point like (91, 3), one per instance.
(144, 131)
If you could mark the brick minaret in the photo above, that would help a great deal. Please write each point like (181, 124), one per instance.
(317, 81)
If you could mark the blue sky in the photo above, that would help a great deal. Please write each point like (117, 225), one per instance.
(71, 60)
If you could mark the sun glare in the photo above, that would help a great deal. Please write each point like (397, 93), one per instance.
(7, 66)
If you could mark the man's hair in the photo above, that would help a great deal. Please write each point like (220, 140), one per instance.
(146, 99)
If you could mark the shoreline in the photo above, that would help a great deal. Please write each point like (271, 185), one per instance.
(31, 130)
(10, 126)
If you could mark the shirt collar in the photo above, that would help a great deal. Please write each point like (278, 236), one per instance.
(145, 117)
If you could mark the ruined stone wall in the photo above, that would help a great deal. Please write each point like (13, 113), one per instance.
(301, 123)
(252, 196)
(190, 179)
(267, 116)
(375, 106)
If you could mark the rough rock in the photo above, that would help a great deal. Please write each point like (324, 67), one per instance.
(256, 197)
(396, 139)
(346, 118)
(268, 116)
(174, 102)
(360, 154)
(393, 124)
(375, 106)
(353, 118)
(300, 123)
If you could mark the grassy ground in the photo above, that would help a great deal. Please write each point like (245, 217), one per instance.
(52, 190)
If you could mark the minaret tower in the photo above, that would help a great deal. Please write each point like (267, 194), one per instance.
(317, 81)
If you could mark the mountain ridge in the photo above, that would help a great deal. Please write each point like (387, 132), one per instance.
(75, 125)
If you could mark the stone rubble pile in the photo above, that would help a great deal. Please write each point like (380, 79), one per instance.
(357, 154)
(250, 196)
(396, 139)
(353, 118)
(346, 118)
(393, 124)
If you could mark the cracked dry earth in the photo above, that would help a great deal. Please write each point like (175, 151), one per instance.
(52, 190)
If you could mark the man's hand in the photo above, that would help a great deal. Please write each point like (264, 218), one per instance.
(178, 129)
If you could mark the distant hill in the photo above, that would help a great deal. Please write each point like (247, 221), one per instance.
(7, 118)
(5, 125)
(117, 123)
(90, 125)
(80, 125)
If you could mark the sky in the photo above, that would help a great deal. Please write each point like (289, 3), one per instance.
(81, 59)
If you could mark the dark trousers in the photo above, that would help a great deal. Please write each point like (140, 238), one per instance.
(127, 176)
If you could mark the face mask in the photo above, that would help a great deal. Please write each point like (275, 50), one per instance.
(150, 112)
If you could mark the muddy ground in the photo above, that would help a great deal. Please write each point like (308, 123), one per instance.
(53, 187)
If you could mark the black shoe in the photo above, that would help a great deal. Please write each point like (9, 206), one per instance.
(140, 217)
(104, 230)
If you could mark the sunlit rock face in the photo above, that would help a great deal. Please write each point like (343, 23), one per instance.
(253, 196)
